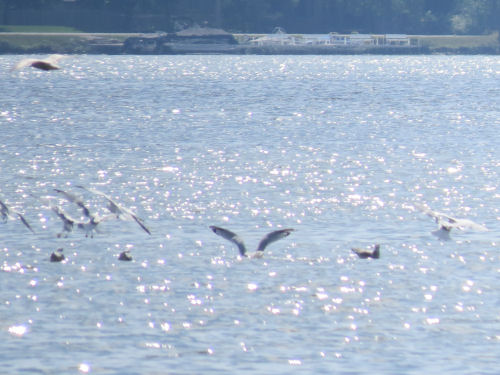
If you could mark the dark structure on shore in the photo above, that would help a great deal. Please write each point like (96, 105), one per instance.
(193, 40)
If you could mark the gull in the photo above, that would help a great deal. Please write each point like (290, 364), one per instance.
(74, 199)
(57, 256)
(365, 253)
(446, 223)
(120, 211)
(89, 227)
(125, 256)
(68, 222)
(47, 64)
(6, 212)
(268, 238)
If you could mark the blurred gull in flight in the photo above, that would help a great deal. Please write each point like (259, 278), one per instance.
(446, 223)
(74, 199)
(6, 212)
(89, 227)
(48, 64)
(234, 238)
(120, 211)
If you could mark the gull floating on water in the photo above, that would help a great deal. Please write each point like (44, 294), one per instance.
(268, 238)
(365, 253)
(57, 256)
(125, 256)
(47, 64)
(120, 211)
(6, 212)
(446, 223)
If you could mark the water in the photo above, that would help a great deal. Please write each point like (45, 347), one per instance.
(340, 148)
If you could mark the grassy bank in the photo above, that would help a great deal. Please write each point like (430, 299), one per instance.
(36, 39)
(52, 39)
(459, 42)
(37, 29)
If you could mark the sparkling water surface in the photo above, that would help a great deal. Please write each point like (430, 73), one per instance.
(341, 148)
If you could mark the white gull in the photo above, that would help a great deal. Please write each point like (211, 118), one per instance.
(446, 223)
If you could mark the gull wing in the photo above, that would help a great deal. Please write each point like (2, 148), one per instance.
(139, 221)
(68, 220)
(21, 217)
(6, 212)
(94, 191)
(273, 236)
(74, 199)
(449, 222)
(53, 59)
(23, 63)
(112, 205)
(437, 216)
(230, 236)
(464, 224)
(100, 219)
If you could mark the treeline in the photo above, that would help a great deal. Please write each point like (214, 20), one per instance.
(260, 16)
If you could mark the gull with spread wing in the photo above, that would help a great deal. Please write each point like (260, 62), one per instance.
(268, 238)
(89, 227)
(74, 199)
(446, 223)
(120, 211)
(43, 64)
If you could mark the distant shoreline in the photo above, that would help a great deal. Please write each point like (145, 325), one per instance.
(118, 43)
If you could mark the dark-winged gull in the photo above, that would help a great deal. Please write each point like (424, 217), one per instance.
(43, 64)
(6, 212)
(120, 211)
(268, 238)
(366, 253)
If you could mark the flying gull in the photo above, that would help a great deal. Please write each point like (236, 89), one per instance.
(268, 238)
(446, 223)
(120, 211)
(89, 227)
(47, 64)
(365, 253)
(74, 199)
(6, 212)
